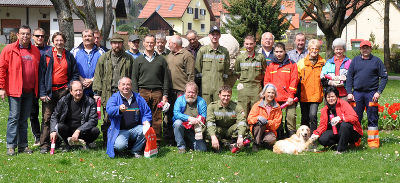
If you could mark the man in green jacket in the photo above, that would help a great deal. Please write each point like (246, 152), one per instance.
(112, 66)
(226, 122)
(212, 62)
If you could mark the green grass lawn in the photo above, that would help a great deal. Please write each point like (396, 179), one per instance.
(358, 165)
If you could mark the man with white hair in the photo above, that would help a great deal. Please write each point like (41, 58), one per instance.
(161, 40)
(181, 66)
(190, 110)
(267, 43)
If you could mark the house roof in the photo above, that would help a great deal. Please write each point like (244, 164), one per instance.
(170, 8)
(218, 7)
(41, 3)
(288, 7)
(156, 22)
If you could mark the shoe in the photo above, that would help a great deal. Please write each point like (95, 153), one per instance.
(91, 145)
(182, 151)
(44, 150)
(337, 153)
(254, 148)
(25, 150)
(137, 155)
(37, 143)
(65, 148)
(10, 151)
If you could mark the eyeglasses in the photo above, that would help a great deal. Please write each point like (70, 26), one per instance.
(314, 49)
(39, 36)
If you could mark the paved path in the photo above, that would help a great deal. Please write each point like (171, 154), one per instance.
(394, 77)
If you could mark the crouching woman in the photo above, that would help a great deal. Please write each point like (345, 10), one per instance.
(264, 118)
(338, 123)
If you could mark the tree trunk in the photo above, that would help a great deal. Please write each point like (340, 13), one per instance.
(329, 40)
(65, 21)
(87, 15)
(107, 20)
(386, 46)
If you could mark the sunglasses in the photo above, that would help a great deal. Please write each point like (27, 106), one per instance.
(39, 36)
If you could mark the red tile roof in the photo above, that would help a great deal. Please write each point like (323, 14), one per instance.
(288, 7)
(177, 11)
(217, 8)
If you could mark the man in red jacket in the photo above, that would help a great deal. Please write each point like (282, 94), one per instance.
(282, 72)
(19, 64)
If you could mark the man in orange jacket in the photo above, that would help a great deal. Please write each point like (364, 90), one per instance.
(19, 64)
(282, 72)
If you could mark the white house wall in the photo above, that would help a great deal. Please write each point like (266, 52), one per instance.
(371, 20)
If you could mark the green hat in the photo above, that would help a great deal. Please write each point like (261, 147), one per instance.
(116, 38)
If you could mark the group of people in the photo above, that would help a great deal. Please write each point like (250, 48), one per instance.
(184, 93)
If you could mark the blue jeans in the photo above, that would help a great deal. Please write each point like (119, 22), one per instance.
(17, 124)
(180, 131)
(362, 101)
(134, 134)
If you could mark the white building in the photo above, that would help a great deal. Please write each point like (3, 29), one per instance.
(41, 13)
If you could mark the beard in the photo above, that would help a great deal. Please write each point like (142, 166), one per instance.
(191, 100)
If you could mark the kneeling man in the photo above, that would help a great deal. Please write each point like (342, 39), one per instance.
(130, 118)
(75, 117)
(190, 112)
(225, 120)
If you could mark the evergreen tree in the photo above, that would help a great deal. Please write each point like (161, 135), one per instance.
(255, 17)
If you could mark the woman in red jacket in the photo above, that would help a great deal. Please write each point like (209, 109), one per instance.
(338, 123)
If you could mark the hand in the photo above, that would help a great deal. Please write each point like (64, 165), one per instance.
(53, 135)
(146, 126)
(2, 93)
(45, 99)
(96, 97)
(376, 97)
(239, 142)
(193, 120)
(335, 120)
(239, 86)
(165, 99)
(214, 142)
(335, 83)
(350, 97)
(342, 78)
(166, 107)
(88, 82)
(75, 136)
(335, 78)
(289, 101)
(122, 108)
(314, 137)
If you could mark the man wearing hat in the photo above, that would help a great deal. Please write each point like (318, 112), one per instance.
(213, 62)
(366, 80)
(112, 66)
(133, 44)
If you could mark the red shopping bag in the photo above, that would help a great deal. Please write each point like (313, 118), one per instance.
(151, 144)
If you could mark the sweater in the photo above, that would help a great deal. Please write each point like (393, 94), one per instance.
(364, 74)
(181, 65)
(151, 75)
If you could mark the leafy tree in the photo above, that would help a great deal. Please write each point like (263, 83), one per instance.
(255, 17)
(331, 16)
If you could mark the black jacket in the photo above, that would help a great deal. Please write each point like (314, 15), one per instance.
(89, 113)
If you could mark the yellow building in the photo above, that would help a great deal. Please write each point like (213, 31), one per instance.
(182, 15)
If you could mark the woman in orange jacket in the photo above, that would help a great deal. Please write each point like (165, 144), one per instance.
(264, 118)
(339, 122)
(311, 87)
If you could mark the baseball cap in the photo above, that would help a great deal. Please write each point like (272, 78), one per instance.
(214, 29)
(365, 43)
(133, 38)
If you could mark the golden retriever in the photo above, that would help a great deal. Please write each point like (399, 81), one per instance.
(295, 144)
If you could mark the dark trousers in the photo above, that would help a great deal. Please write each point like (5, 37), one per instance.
(346, 134)
(153, 97)
(104, 127)
(168, 130)
(66, 131)
(35, 125)
(309, 114)
(262, 138)
(47, 110)
(362, 101)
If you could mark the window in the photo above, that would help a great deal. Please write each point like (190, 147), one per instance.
(189, 10)
(203, 27)
(196, 13)
(202, 12)
(171, 7)
(189, 26)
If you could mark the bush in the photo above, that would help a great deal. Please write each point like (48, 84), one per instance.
(395, 59)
